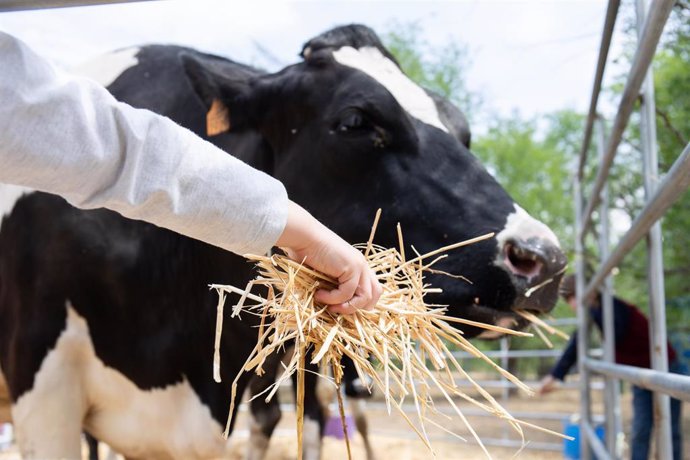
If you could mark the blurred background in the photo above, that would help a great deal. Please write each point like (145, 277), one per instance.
(522, 71)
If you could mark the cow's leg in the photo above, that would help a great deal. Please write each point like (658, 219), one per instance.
(358, 409)
(264, 415)
(48, 416)
(92, 444)
(357, 392)
(5, 401)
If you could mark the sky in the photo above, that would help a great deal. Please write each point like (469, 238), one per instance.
(532, 57)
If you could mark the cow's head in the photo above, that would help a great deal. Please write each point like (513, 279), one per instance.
(349, 133)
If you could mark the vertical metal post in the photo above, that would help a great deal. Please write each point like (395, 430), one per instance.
(657, 301)
(612, 406)
(583, 324)
(505, 391)
(505, 394)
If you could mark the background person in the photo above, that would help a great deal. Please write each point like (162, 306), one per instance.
(632, 348)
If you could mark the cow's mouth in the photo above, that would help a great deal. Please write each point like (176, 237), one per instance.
(507, 320)
(521, 261)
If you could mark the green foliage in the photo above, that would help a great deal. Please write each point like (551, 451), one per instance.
(672, 87)
(438, 69)
(671, 67)
(536, 169)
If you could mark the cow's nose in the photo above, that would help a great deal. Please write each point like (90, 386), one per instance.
(535, 261)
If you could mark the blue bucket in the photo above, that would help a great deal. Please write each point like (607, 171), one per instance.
(571, 449)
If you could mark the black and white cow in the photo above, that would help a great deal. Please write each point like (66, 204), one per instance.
(107, 324)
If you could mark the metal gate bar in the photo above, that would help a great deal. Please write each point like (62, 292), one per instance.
(658, 198)
(674, 385)
(670, 189)
(654, 24)
(19, 5)
(609, 23)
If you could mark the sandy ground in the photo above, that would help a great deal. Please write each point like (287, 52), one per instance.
(394, 440)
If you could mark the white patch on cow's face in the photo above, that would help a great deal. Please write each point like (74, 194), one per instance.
(408, 94)
(105, 69)
(522, 226)
(9, 194)
(73, 384)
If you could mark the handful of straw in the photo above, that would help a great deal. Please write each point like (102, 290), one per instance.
(402, 333)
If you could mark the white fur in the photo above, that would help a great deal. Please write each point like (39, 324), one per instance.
(73, 385)
(522, 226)
(9, 194)
(106, 68)
(408, 94)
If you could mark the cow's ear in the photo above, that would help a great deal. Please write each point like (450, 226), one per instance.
(208, 79)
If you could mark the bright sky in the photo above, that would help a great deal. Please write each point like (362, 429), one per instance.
(530, 56)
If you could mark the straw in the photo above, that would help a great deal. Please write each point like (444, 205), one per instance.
(402, 333)
(538, 324)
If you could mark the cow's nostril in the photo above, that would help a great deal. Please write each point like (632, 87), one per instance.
(522, 262)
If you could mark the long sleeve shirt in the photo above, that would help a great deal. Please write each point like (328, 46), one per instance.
(631, 339)
(68, 136)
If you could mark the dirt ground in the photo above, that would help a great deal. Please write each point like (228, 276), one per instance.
(394, 440)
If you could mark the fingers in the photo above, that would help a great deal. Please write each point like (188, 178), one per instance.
(343, 293)
(353, 294)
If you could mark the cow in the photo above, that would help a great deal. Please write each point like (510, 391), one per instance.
(107, 324)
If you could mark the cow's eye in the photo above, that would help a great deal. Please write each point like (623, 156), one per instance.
(351, 121)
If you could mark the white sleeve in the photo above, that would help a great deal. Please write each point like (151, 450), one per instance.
(66, 135)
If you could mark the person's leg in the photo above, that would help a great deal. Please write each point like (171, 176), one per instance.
(677, 429)
(641, 423)
(676, 414)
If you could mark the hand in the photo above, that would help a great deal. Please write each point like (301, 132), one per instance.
(306, 239)
(548, 384)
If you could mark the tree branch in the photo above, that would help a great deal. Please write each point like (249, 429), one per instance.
(664, 116)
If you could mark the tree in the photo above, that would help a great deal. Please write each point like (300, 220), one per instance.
(441, 70)
(671, 68)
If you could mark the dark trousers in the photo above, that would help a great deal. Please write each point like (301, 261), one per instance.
(643, 422)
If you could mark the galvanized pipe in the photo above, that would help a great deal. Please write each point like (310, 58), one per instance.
(674, 184)
(597, 446)
(583, 323)
(643, 56)
(655, 262)
(674, 385)
(510, 354)
(612, 406)
(19, 5)
(609, 24)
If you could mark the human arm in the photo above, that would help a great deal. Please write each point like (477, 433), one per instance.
(68, 136)
(562, 367)
(548, 384)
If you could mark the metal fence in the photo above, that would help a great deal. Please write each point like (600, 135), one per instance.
(506, 436)
(660, 195)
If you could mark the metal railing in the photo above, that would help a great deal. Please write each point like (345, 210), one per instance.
(19, 5)
(499, 436)
(659, 197)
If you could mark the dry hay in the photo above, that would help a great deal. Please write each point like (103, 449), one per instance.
(402, 333)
